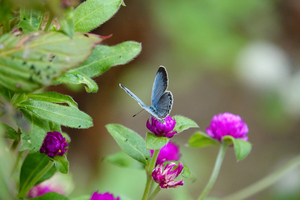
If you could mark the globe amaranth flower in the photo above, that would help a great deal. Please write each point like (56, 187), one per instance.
(169, 152)
(42, 189)
(105, 196)
(162, 129)
(165, 176)
(54, 144)
(227, 124)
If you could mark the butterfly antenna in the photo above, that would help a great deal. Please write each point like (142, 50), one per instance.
(137, 113)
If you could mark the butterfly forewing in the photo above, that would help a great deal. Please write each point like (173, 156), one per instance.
(160, 85)
(133, 96)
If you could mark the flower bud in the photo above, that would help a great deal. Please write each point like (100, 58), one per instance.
(227, 124)
(165, 177)
(162, 129)
(54, 144)
(105, 196)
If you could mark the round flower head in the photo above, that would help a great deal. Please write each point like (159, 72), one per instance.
(162, 129)
(169, 152)
(105, 196)
(165, 177)
(227, 124)
(54, 144)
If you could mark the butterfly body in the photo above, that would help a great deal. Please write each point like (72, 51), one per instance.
(161, 99)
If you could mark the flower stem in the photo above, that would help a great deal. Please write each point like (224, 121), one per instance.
(265, 182)
(31, 182)
(215, 172)
(48, 22)
(154, 193)
(149, 174)
(20, 154)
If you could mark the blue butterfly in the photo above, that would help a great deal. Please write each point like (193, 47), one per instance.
(161, 99)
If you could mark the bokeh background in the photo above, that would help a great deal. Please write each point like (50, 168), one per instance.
(238, 56)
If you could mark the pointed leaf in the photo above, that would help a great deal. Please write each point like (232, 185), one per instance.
(155, 142)
(30, 20)
(34, 167)
(26, 62)
(61, 164)
(122, 159)
(67, 22)
(51, 195)
(92, 13)
(54, 97)
(202, 140)
(183, 123)
(32, 139)
(104, 57)
(64, 115)
(130, 142)
(186, 173)
(9, 132)
(241, 147)
(76, 77)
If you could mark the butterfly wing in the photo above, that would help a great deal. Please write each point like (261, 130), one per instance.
(134, 96)
(159, 86)
(163, 106)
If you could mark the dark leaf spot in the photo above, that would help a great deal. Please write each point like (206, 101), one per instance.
(24, 63)
(126, 140)
(48, 77)
(32, 67)
(31, 79)
(24, 18)
(86, 35)
(39, 72)
(79, 126)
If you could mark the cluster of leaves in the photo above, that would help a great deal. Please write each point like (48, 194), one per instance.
(45, 43)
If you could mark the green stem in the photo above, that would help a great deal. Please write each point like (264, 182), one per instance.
(149, 174)
(265, 182)
(17, 141)
(215, 172)
(154, 193)
(49, 22)
(30, 184)
(17, 162)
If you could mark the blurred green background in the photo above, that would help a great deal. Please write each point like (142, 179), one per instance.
(238, 56)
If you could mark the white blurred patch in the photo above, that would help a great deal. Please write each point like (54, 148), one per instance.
(263, 66)
(290, 95)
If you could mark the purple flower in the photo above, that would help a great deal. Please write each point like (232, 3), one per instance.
(227, 124)
(54, 144)
(105, 196)
(165, 177)
(169, 152)
(162, 129)
(41, 189)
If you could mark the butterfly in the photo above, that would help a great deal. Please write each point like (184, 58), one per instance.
(162, 100)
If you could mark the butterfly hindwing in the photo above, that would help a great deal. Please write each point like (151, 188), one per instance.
(160, 85)
(164, 105)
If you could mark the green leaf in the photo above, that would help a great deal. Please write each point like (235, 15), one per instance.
(54, 97)
(61, 164)
(51, 195)
(30, 20)
(122, 159)
(92, 13)
(64, 115)
(9, 132)
(19, 97)
(103, 57)
(202, 140)
(32, 138)
(26, 62)
(183, 123)
(85, 197)
(34, 167)
(67, 22)
(7, 94)
(75, 77)
(130, 142)
(155, 142)
(241, 147)
(186, 173)
(48, 175)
